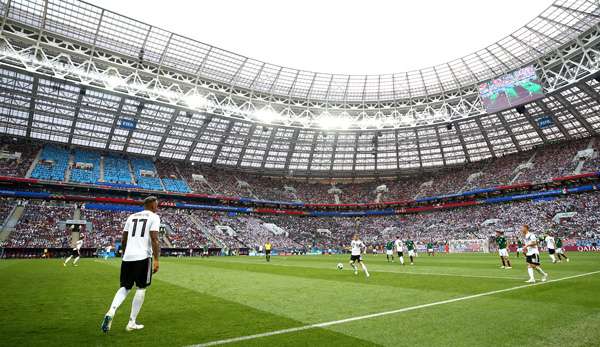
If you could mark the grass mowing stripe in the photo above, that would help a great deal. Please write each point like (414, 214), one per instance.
(401, 273)
(379, 314)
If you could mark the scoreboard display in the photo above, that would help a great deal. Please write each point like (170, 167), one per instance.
(511, 90)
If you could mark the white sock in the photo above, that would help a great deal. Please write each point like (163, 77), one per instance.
(75, 261)
(530, 272)
(552, 257)
(364, 269)
(118, 300)
(539, 269)
(136, 305)
(402, 260)
(69, 258)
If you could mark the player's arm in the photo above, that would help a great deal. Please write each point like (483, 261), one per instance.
(155, 249)
(154, 228)
(531, 243)
(124, 241)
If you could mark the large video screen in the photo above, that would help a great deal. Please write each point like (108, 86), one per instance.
(511, 90)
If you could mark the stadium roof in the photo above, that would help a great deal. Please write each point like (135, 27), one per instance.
(78, 74)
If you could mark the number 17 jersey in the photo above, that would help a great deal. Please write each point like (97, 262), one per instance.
(138, 228)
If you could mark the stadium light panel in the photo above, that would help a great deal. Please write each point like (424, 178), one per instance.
(196, 100)
(266, 115)
(326, 121)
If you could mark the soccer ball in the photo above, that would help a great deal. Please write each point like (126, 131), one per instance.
(340, 266)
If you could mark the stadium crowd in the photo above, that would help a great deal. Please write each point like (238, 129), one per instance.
(40, 226)
(537, 165)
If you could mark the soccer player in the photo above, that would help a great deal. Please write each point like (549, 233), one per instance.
(410, 245)
(532, 254)
(357, 248)
(430, 248)
(519, 247)
(268, 247)
(399, 249)
(551, 245)
(76, 253)
(140, 261)
(502, 250)
(389, 251)
(106, 251)
(560, 252)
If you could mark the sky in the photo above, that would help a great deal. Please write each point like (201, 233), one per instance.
(339, 36)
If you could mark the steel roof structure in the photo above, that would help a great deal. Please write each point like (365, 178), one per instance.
(77, 74)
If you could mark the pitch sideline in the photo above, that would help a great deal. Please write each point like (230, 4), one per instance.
(380, 314)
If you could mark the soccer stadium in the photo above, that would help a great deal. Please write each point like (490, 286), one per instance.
(156, 190)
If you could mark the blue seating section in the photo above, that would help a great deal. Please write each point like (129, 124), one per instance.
(55, 171)
(176, 185)
(83, 175)
(116, 170)
(151, 183)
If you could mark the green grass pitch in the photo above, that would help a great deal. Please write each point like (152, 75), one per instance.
(194, 301)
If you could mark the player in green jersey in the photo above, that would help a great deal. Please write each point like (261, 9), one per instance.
(430, 248)
(503, 250)
(389, 251)
(519, 247)
(560, 252)
(410, 245)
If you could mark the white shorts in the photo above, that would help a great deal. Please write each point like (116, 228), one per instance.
(503, 252)
(430, 250)
(411, 253)
(520, 250)
(389, 252)
(560, 251)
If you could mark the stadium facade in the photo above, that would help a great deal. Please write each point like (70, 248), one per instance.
(77, 74)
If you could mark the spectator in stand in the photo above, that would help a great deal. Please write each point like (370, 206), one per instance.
(40, 226)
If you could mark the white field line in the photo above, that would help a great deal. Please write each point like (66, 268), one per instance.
(385, 313)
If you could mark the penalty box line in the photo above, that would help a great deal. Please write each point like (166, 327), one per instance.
(380, 314)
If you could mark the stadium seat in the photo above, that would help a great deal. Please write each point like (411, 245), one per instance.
(116, 170)
(52, 164)
(146, 182)
(80, 175)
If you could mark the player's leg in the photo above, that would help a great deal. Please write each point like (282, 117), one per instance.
(538, 268)
(530, 273)
(503, 263)
(508, 266)
(76, 259)
(551, 254)
(142, 281)
(126, 285)
(352, 263)
(364, 268)
(67, 260)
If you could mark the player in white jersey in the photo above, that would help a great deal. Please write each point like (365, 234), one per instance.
(140, 261)
(76, 252)
(551, 245)
(357, 248)
(532, 253)
(107, 251)
(399, 246)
